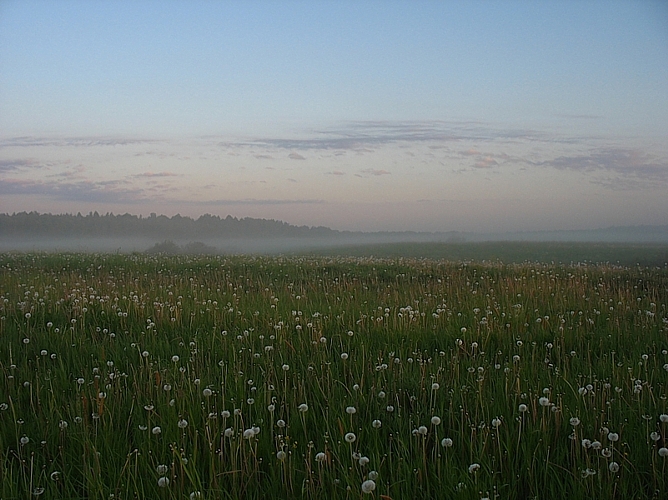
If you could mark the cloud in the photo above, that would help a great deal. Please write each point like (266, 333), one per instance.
(99, 192)
(292, 180)
(10, 165)
(30, 141)
(335, 172)
(633, 167)
(296, 156)
(264, 157)
(485, 162)
(252, 201)
(156, 174)
(373, 171)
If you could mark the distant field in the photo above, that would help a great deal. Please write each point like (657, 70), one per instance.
(515, 252)
(146, 376)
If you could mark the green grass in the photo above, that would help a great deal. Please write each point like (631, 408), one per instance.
(513, 252)
(116, 371)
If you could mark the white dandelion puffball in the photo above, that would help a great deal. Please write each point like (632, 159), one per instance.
(248, 433)
(496, 422)
(422, 430)
(435, 386)
(446, 442)
(286, 368)
(320, 457)
(303, 407)
(613, 467)
(435, 420)
(156, 430)
(574, 421)
(474, 468)
(363, 461)
(376, 424)
(281, 455)
(663, 452)
(350, 437)
(344, 356)
(522, 408)
(161, 469)
(613, 436)
(350, 410)
(163, 482)
(544, 401)
(183, 423)
(368, 486)
(207, 392)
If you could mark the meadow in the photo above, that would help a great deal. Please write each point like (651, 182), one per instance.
(184, 377)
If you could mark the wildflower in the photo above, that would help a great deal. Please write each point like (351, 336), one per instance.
(435, 386)
(586, 443)
(175, 358)
(281, 455)
(474, 468)
(25, 440)
(350, 410)
(368, 486)
(613, 436)
(376, 424)
(373, 475)
(303, 408)
(574, 421)
(363, 461)
(544, 401)
(225, 414)
(229, 432)
(161, 469)
(344, 356)
(286, 368)
(280, 423)
(522, 408)
(663, 418)
(446, 442)
(207, 392)
(422, 430)
(663, 452)
(613, 467)
(156, 430)
(195, 494)
(390, 408)
(62, 425)
(182, 423)
(435, 420)
(271, 408)
(350, 437)
(320, 457)
(381, 395)
(496, 422)
(163, 482)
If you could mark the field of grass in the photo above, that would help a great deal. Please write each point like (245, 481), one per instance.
(146, 376)
(516, 252)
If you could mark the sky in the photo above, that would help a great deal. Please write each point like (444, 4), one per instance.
(371, 116)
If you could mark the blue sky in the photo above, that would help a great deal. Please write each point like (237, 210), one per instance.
(401, 115)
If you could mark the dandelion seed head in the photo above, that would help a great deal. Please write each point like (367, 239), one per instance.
(368, 486)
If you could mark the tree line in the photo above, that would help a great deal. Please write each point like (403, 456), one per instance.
(207, 226)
